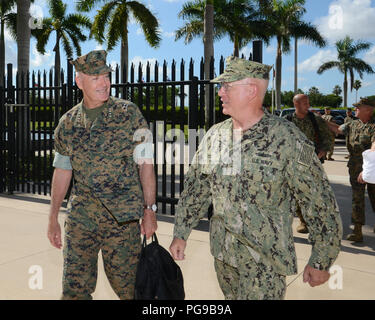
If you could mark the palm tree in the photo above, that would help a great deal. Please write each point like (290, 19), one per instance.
(348, 63)
(67, 29)
(285, 23)
(6, 18)
(337, 90)
(208, 41)
(23, 36)
(356, 85)
(111, 25)
(237, 18)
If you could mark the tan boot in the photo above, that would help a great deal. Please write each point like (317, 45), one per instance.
(356, 236)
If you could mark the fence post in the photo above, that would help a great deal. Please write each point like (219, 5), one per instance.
(193, 104)
(193, 116)
(69, 82)
(2, 139)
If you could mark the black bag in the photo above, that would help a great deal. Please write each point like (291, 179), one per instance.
(158, 275)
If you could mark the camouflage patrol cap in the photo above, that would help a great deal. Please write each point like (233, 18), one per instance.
(93, 63)
(238, 69)
(365, 101)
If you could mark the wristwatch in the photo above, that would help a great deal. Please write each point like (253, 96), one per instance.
(152, 207)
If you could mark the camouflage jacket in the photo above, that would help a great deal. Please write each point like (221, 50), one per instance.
(101, 154)
(306, 126)
(359, 137)
(253, 185)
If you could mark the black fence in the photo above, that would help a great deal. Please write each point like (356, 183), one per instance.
(172, 100)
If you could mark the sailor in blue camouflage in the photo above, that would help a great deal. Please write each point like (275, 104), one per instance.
(253, 177)
(94, 142)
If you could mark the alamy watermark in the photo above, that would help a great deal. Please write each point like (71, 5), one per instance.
(36, 17)
(223, 148)
(336, 280)
(36, 280)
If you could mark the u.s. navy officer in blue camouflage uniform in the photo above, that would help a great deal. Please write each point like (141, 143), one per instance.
(252, 167)
(113, 188)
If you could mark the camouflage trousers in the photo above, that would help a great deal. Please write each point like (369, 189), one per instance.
(332, 146)
(254, 281)
(88, 229)
(358, 195)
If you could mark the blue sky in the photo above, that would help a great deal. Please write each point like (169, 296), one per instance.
(334, 19)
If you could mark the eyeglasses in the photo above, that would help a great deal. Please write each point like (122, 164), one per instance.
(227, 86)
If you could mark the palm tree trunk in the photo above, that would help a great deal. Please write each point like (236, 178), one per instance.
(124, 59)
(345, 89)
(295, 65)
(236, 50)
(278, 74)
(23, 61)
(124, 64)
(23, 36)
(208, 55)
(2, 54)
(57, 60)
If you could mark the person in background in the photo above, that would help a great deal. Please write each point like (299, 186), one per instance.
(328, 117)
(316, 130)
(360, 134)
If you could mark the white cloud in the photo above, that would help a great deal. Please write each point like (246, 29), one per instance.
(366, 84)
(355, 18)
(137, 60)
(314, 62)
(169, 34)
(38, 60)
(99, 47)
(271, 49)
(369, 57)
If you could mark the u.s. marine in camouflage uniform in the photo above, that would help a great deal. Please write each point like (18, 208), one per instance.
(360, 134)
(329, 118)
(94, 142)
(252, 167)
(317, 132)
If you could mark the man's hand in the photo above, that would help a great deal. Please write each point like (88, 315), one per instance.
(177, 249)
(149, 224)
(314, 276)
(54, 233)
(360, 178)
(322, 154)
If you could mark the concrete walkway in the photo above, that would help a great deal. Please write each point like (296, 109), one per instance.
(30, 268)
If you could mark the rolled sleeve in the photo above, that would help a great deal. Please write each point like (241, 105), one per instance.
(344, 128)
(62, 162)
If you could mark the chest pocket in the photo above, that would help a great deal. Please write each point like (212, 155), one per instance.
(261, 183)
(111, 142)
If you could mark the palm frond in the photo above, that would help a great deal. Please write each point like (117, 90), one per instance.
(57, 9)
(149, 23)
(101, 21)
(328, 65)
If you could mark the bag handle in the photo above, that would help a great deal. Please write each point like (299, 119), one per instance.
(153, 239)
